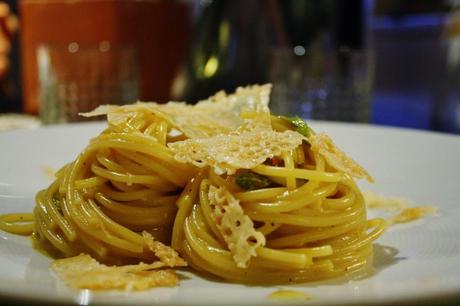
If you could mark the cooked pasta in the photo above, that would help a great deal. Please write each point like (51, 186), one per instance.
(314, 223)
(239, 193)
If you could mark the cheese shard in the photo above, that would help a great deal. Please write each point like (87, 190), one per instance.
(215, 115)
(84, 272)
(336, 158)
(167, 255)
(240, 150)
(412, 213)
(221, 113)
(235, 226)
(403, 208)
(388, 204)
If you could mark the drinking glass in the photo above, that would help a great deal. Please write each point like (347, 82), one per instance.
(323, 85)
(77, 78)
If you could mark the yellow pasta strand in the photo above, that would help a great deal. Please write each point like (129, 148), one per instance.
(21, 224)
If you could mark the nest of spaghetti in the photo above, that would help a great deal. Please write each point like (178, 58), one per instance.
(239, 193)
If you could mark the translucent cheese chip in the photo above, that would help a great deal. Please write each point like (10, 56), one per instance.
(401, 208)
(375, 201)
(253, 98)
(337, 159)
(101, 110)
(84, 272)
(166, 254)
(117, 115)
(412, 214)
(235, 226)
(221, 113)
(218, 114)
(239, 150)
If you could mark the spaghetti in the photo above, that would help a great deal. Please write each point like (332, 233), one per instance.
(240, 194)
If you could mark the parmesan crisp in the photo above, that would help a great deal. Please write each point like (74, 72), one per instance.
(412, 213)
(84, 272)
(227, 153)
(219, 114)
(336, 158)
(402, 208)
(235, 226)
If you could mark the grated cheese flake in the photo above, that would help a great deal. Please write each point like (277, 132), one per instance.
(235, 226)
(49, 172)
(337, 159)
(412, 213)
(375, 201)
(217, 114)
(400, 207)
(244, 149)
(84, 272)
(166, 254)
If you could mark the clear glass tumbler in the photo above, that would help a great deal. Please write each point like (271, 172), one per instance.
(75, 79)
(323, 85)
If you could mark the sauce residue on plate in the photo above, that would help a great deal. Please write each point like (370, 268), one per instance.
(285, 294)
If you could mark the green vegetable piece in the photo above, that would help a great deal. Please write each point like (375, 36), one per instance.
(299, 125)
(251, 180)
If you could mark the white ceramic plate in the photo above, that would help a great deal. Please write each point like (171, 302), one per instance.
(417, 262)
